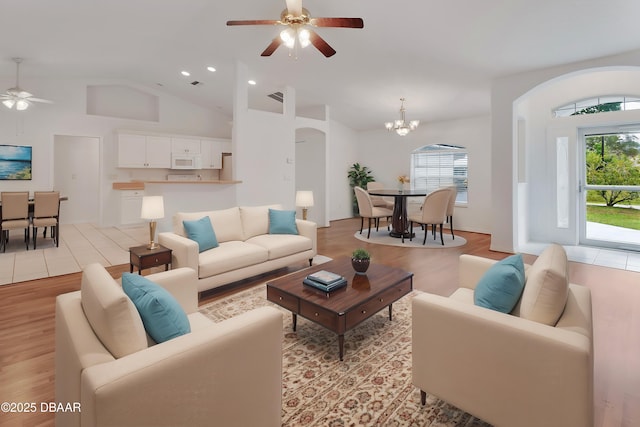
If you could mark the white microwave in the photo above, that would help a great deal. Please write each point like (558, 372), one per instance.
(186, 161)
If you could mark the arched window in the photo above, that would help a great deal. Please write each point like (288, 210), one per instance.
(440, 165)
(599, 104)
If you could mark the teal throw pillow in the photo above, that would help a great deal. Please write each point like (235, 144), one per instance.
(161, 314)
(202, 232)
(282, 222)
(501, 285)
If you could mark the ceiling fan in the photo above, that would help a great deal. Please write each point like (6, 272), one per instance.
(298, 20)
(18, 97)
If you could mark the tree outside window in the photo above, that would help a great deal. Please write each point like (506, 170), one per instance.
(613, 159)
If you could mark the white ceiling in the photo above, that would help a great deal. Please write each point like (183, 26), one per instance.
(440, 55)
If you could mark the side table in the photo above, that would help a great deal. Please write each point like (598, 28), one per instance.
(143, 257)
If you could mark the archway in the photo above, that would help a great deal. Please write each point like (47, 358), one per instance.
(548, 165)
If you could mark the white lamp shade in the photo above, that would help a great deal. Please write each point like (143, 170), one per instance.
(304, 199)
(152, 207)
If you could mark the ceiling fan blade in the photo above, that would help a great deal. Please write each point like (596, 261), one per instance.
(46, 101)
(254, 22)
(320, 44)
(337, 22)
(294, 7)
(275, 43)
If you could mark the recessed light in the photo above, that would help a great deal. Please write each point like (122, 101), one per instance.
(185, 73)
(252, 82)
(212, 69)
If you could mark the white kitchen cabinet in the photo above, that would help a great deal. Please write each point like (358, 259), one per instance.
(211, 150)
(185, 145)
(143, 151)
(130, 206)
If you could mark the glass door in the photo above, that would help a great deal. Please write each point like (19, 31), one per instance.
(610, 187)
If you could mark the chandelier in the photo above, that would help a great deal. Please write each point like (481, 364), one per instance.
(401, 126)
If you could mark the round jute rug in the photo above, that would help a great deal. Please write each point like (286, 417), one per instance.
(382, 237)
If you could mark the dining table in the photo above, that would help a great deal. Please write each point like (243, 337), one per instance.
(399, 220)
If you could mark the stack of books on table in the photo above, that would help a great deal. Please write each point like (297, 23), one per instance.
(325, 281)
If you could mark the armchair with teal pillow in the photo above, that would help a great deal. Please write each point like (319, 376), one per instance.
(197, 379)
(505, 368)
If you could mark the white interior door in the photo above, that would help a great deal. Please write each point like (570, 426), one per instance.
(76, 174)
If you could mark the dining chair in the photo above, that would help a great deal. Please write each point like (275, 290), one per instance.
(451, 206)
(433, 212)
(46, 213)
(367, 210)
(379, 201)
(15, 215)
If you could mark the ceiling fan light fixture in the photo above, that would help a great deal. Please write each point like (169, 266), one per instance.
(304, 37)
(22, 105)
(9, 103)
(288, 37)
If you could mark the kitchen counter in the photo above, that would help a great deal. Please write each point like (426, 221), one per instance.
(139, 185)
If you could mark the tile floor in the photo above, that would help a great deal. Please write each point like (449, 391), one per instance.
(620, 259)
(80, 244)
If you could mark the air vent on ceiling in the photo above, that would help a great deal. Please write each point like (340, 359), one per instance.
(196, 83)
(278, 96)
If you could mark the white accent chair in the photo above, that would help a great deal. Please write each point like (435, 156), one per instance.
(379, 201)
(210, 376)
(508, 369)
(369, 211)
(432, 212)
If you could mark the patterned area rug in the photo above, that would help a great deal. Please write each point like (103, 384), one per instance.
(371, 387)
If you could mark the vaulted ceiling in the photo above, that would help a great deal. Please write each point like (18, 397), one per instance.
(440, 55)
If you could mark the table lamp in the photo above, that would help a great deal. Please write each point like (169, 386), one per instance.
(152, 209)
(304, 200)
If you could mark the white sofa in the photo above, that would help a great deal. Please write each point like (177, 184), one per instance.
(106, 363)
(245, 248)
(503, 368)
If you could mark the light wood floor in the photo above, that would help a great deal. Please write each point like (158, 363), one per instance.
(27, 321)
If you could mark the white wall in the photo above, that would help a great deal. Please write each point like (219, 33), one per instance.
(505, 93)
(38, 125)
(389, 155)
(341, 154)
(265, 153)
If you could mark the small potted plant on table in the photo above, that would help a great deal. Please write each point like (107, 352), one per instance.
(360, 260)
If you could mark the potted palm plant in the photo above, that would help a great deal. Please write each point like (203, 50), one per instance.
(360, 260)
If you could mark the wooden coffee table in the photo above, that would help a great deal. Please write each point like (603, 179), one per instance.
(344, 308)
